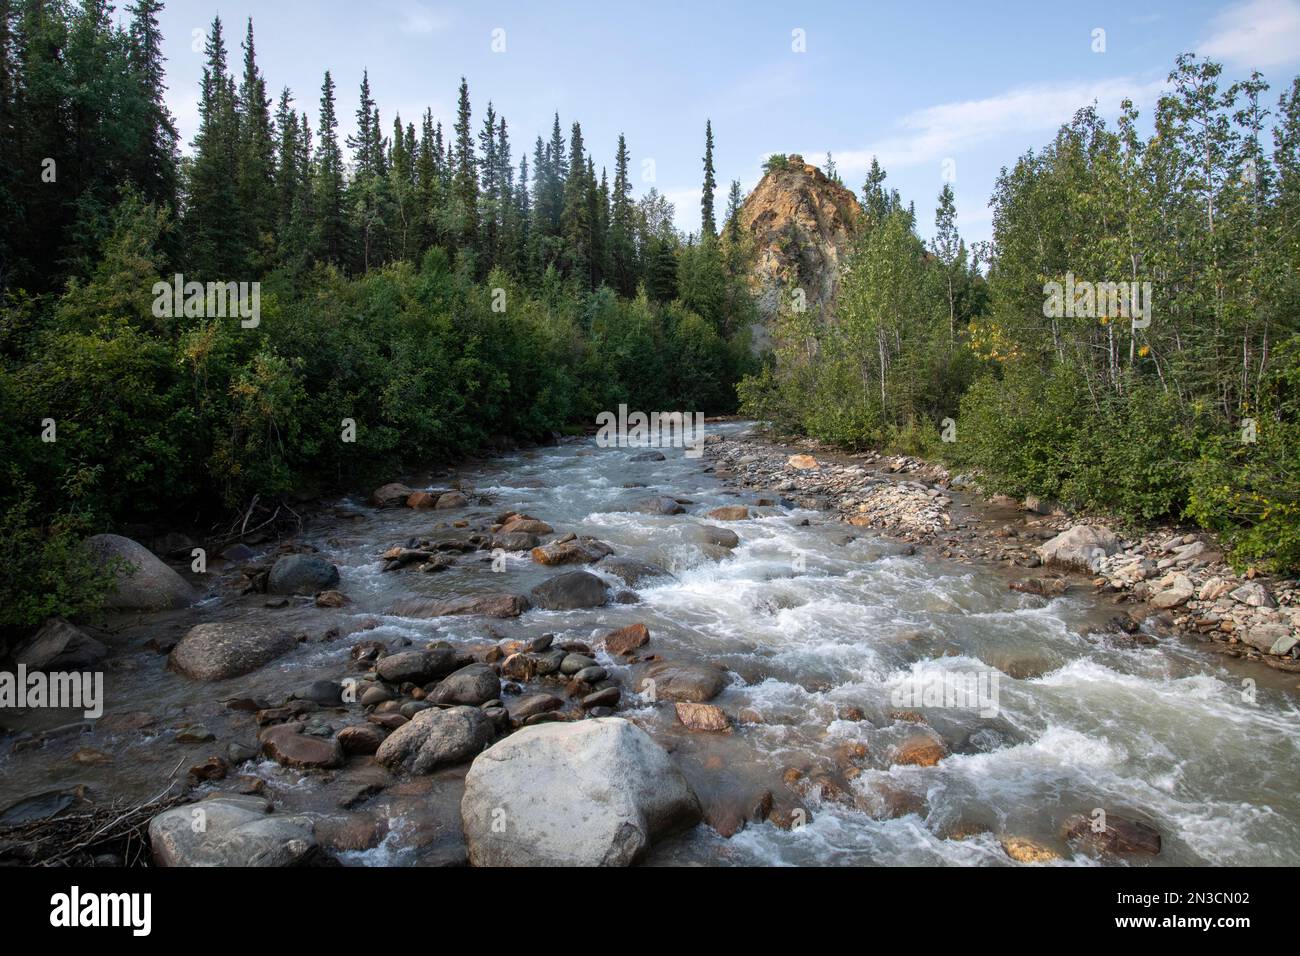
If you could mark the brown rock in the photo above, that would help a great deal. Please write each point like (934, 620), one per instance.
(526, 525)
(577, 551)
(285, 745)
(361, 738)
(920, 749)
(729, 513)
(801, 225)
(390, 495)
(626, 639)
(1023, 850)
(421, 500)
(1120, 836)
(703, 717)
(490, 605)
(332, 599)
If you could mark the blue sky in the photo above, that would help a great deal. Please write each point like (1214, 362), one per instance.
(915, 83)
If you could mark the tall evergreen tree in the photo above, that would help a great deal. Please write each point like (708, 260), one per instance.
(331, 226)
(622, 227)
(214, 218)
(256, 160)
(155, 151)
(708, 226)
(466, 172)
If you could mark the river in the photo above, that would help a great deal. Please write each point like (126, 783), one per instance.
(814, 620)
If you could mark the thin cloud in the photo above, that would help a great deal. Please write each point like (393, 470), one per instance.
(1255, 34)
(421, 20)
(936, 133)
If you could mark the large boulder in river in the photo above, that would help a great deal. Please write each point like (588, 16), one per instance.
(659, 506)
(476, 684)
(237, 830)
(286, 744)
(434, 738)
(301, 574)
(588, 793)
(1112, 834)
(721, 537)
(143, 582)
(391, 495)
(215, 651)
(417, 667)
(564, 592)
(489, 605)
(574, 551)
(1079, 548)
(59, 646)
(694, 683)
(729, 513)
(633, 572)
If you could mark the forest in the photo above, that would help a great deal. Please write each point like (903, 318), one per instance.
(1188, 413)
(426, 292)
(421, 293)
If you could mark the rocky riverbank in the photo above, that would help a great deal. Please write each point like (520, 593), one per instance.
(1166, 579)
(586, 656)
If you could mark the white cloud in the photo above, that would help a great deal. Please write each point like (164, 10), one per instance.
(936, 133)
(1256, 34)
(421, 20)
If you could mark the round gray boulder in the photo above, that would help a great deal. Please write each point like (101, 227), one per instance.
(215, 651)
(143, 582)
(594, 792)
(301, 574)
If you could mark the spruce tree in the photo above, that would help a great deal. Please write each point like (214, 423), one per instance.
(155, 153)
(331, 228)
(707, 225)
(466, 179)
(256, 161)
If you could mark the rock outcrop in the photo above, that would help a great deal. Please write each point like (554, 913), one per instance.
(801, 224)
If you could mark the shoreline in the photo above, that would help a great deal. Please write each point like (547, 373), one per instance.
(1170, 580)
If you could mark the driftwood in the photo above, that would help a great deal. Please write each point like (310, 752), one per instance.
(76, 838)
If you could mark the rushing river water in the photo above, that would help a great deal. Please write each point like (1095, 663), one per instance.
(813, 618)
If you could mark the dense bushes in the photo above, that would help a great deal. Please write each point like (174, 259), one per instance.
(1088, 406)
(180, 419)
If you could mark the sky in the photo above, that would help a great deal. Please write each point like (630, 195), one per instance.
(935, 90)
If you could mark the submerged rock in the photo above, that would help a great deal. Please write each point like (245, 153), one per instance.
(596, 792)
(634, 573)
(489, 605)
(702, 717)
(216, 651)
(565, 592)
(1118, 835)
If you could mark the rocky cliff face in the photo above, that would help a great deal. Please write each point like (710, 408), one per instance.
(801, 224)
